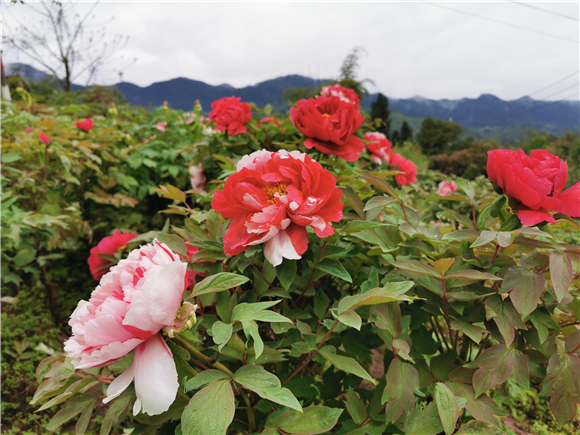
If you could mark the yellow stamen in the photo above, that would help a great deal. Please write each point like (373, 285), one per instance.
(273, 188)
(326, 115)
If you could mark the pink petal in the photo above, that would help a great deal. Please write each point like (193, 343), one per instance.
(155, 377)
(120, 384)
(533, 217)
(278, 247)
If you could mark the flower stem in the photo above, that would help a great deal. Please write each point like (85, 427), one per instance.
(198, 354)
(249, 410)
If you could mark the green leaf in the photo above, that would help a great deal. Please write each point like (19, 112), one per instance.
(84, 420)
(313, 420)
(247, 312)
(472, 331)
(484, 238)
(482, 408)
(447, 407)
(175, 243)
(417, 267)
(345, 363)
(251, 330)
(388, 317)
(562, 384)
(334, 268)
(210, 411)
(494, 367)
(475, 427)
(378, 202)
(70, 411)
(321, 302)
(219, 282)
(349, 318)
(394, 292)
(381, 184)
(286, 273)
(356, 226)
(505, 316)
(117, 407)
(561, 273)
(572, 343)
(266, 385)
(399, 393)
(203, 378)
(355, 406)
(423, 421)
(353, 200)
(526, 288)
(472, 275)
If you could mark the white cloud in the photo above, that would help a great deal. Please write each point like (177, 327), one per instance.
(412, 48)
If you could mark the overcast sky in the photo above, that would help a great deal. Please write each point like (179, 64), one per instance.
(412, 49)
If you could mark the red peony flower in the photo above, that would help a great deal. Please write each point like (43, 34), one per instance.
(231, 115)
(329, 124)
(110, 246)
(28, 129)
(536, 182)
(400, 163)
(44, 138)
(345, 94)
(85, 125)
(379, 147)
(272, 198)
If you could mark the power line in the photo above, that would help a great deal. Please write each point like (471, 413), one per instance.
(555, 83)
(559, 92)
(503, 22)
(545, 10)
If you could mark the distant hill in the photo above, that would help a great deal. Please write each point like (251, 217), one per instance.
(181, 92)
(491, 111)
(482, 116)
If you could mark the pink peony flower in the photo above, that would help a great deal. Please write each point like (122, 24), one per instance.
(446, 188)
(400, 163)
(197, 177)
(161, 126)
(379, 147)
(272, 198)
(110, 246)
(28, 129)
(135, 300)
(345, 94)
(85, 125)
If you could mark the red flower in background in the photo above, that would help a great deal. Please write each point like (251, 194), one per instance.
(329, 124)
(231, 115)
(400, 163)
(379, 147)
(109, 245)
(345, 94)
(44, 138)
(272, 198)
(536, 182)
(85, 125)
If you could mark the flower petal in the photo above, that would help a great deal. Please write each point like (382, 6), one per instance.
(120, 384)
(155, 377)
(278, 247)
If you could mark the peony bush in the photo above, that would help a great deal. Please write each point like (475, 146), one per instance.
(310, 280)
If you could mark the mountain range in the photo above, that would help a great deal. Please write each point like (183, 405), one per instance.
(485, 112)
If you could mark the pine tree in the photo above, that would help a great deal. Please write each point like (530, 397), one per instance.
(406, 132)
(380, 110)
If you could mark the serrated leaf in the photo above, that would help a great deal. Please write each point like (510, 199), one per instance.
(210, 411)
(525, 288)
(345, 363)
(219, 282)
(399, 393)
(394, 292)
(313, 420)
(266, 385)
(562, 384)
(447, 407)
(561, 273)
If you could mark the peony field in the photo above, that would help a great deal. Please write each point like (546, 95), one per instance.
(236, 269)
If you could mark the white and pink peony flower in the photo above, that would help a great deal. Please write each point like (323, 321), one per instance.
(446, 188)
(137, 298)
(197, 177)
